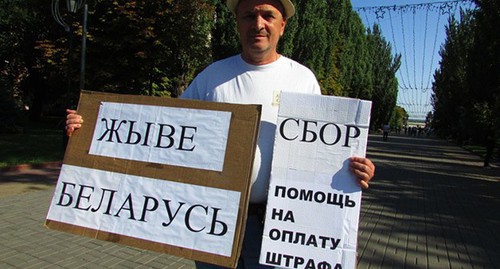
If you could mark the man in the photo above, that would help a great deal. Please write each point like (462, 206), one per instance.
(386, 129)
(256, 76)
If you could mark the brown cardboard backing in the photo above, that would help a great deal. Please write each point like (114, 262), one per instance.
(242, 139)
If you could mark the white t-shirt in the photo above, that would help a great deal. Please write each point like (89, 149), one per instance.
(232, 80)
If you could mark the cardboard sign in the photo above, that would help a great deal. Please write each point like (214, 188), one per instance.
(313, 203)
(169, 142)
(162, 174)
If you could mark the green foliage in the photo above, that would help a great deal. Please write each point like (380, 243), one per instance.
(225, 41)
(310, 43)
(483, 71)
(461, 108)
(10, 116)
(24, 28)
(399, 118)
(157, 47)
(359, 61)
(384, 80)
(338, 12)
(451, 95)
(466, 91)
(331, 40)
(147, 47)
(33, 147)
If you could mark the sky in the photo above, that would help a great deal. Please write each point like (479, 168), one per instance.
(416, 30)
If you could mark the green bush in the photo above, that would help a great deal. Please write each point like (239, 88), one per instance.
(11, 114)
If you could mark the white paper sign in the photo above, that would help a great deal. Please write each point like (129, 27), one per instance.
(174, 136)
(314, 202)
(178, 214)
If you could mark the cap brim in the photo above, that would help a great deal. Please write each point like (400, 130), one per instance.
(287, 4)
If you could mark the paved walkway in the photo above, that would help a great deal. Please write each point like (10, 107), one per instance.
(431, 205)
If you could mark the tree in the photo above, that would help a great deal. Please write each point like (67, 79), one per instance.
(385, 84)
(355, 63)
(310, 43)
(157, 47)
(332, 41)
(148, 47)
(24, 78)
(483, 75)
(224, 37)
(451, 96)
(466, 91)
(398, 118)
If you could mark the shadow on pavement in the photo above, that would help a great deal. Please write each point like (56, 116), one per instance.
(431, 205)
(25, 178)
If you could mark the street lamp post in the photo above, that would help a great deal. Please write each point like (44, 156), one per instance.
(84, 47)
(73, 6)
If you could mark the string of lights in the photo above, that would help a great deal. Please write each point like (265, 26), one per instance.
(420, 28)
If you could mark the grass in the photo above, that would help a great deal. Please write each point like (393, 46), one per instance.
(36, 145)
(479, 150)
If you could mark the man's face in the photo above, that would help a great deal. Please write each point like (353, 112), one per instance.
(260, 24)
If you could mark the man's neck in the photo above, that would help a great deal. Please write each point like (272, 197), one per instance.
(260, 59)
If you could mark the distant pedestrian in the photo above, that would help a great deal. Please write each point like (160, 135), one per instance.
(490, 146)
(386, 128)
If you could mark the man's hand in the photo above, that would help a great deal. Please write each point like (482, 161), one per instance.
(73, 121)
(363, 169)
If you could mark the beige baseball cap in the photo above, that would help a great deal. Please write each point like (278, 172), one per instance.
(287, 4)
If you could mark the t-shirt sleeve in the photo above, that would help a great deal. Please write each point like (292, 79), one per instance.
(315, 88)
(191, 91)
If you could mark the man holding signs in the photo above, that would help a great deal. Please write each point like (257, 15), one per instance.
(257, 76)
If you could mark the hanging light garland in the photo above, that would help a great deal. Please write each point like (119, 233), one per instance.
(411, 90)
(444, 7)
